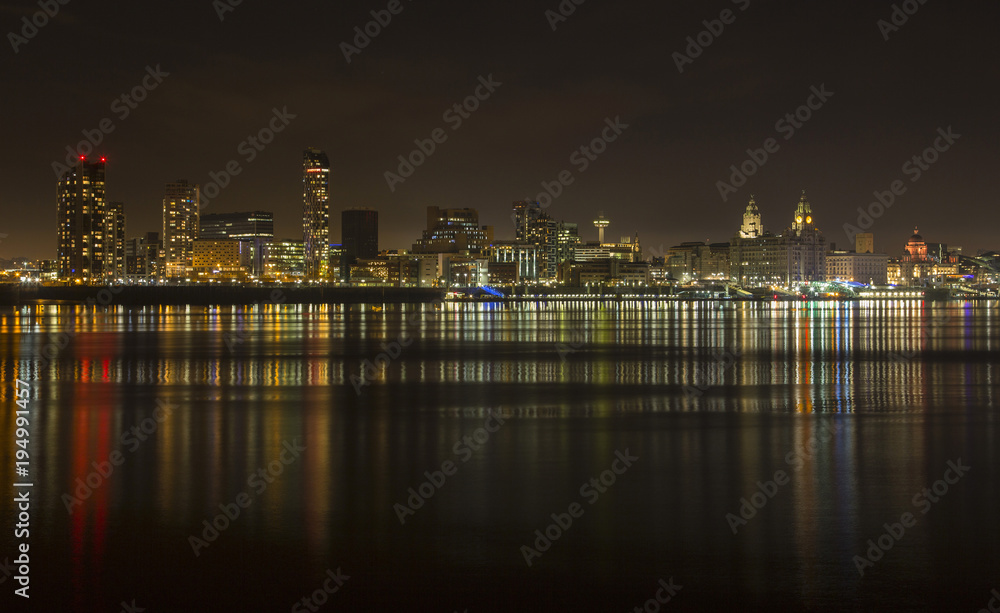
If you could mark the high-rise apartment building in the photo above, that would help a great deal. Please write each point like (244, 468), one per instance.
(115, 241)
(315, 211)
(142, 257)
(181, 204)
(525, 212)
(82, 224)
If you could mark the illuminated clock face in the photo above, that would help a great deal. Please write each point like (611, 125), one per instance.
(798, 219)
(809, 219)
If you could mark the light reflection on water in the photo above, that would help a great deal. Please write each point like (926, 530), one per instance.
(711, 397)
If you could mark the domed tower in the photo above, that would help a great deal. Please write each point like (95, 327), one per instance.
(803, 220)
(916, 248)
(751, 227)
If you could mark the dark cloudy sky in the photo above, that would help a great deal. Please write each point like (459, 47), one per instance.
(607, 59)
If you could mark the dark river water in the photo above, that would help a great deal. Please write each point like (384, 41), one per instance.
(485, 457)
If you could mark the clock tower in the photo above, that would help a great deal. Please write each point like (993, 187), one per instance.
(803, 220)
(751, 227)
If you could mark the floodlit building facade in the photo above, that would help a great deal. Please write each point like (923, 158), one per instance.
(797, 256)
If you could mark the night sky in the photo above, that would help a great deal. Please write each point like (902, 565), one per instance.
(605, 60)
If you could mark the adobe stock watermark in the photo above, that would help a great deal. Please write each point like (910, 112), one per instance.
(591, 490)
(663, 595)
(363, 36)
(900, 14)
(990, 607)
(713, 30)
(225, 6)
(463, 448)
(914, 168)
(39, 19)
(454, 116)
(122, 107)
(132, 439)
(7, 569)
(258, 480)
(796, 458)
(786, 125)
(923, 500)
(334, 581)
(581, 158)
(250, 148)
(562, 13)
(130, 607)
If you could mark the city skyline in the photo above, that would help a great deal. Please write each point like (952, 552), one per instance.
(316, 161)
(687, 125)
(447, 306)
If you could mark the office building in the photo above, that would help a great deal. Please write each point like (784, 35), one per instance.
(523, 258)
(335, 262)
(864, 242)
(358, 236)
(285, 260)
(851, 266)
(695, 261)
(256, 228)
(627, 248)
(453, 231)
(224, 259)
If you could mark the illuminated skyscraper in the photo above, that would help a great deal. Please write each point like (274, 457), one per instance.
(82, 223)
(525, 212)
(115, 241)
(180, 226)
(315, 211)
